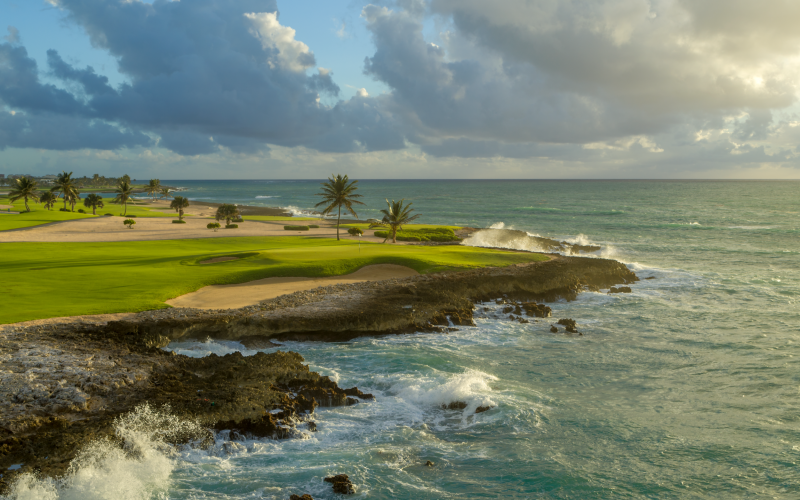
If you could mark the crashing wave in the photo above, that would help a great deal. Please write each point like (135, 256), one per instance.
(499, 237)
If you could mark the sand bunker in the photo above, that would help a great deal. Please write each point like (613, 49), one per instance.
(218, 259)
(253, 292)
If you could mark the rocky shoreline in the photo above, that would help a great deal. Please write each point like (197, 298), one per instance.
(65, 384)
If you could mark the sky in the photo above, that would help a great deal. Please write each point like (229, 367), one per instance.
(527, 89)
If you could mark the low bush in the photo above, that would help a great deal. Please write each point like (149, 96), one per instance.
(231, 226)
(129, 223)
(313, 226)
(237, 220)
(176, 221)
(112, 215)
(129, 216)
(296, 228)
(81, 211)
(213, 225)
(437, 234)
(354, 231)
(62, 209)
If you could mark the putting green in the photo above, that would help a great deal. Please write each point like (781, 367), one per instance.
(45, 280)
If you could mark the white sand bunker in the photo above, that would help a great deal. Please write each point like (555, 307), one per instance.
(253, 292)
(218, 259)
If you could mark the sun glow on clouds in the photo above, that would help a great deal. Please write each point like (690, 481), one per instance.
(291, 54)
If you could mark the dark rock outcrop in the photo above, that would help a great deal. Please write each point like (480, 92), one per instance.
(341, 484)
(482, 409)
(304, 497)
(455, 405)
(568, 324)
(621, 289)
(537, 310)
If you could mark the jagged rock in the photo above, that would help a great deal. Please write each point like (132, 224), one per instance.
(508, 309)
(304, 497)
(568, 324)
(482, 409)
(621, 289)
(429, 464)
(522, 320)
(537, 310)
(341, 484)
(553, 329)
(650, 278)
(455, 405)
(354, 391)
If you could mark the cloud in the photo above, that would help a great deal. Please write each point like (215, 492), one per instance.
(609, 82)
(13, 35)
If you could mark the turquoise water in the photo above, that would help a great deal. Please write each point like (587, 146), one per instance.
(687, 388)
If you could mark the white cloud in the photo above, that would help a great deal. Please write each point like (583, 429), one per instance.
(291, 54)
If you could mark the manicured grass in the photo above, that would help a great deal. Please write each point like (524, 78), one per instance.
(45, 280)
(38, 215)
(412, 227)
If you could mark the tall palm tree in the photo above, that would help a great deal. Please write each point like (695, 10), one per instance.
(153, 188)
(93, 201)
(124, 192)
(225, 211)
(179, 203)
(95, 179)
(165, 193)
(48, 199)
(25, 188)
(339, 192)
(395, 216)
(66, 185)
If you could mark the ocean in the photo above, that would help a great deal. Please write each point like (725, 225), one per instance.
(689, 387)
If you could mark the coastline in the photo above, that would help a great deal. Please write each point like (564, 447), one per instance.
(116, 366)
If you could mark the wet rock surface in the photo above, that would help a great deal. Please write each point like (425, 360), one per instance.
(304, 497)
(341, 484)
(621, 289)
(568, 324)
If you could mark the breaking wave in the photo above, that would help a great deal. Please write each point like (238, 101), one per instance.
(137, 469)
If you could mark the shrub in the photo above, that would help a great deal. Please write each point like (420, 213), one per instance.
(237, 220)
(438, 234)
(129, 216)
(178, 221)
(231, 226)
(313, 226)
(296, 228)
(354, 231)
(62, 209)
(129, 223)
(213, 225)
(112, 215)
(81, 211)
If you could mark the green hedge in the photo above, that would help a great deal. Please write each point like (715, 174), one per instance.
(296, 228)
(231, 226)
(438, 234)
(176, 221)
(313, 226)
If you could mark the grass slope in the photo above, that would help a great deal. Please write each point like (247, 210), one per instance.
(45, 280)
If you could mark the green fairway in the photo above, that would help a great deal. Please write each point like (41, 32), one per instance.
(279, 218)
(38, 215)
(44, 280)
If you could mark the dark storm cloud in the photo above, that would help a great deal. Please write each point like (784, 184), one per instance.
(59, 132)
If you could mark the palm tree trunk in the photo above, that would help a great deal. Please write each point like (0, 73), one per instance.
(337, 222)
(394, 234)
(65, 201)
(125, 203)
(94, 209)
(27, 208)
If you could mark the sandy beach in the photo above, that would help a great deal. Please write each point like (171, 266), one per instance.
(253, 292)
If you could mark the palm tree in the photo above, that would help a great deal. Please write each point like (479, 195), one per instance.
(165, 193)
(72, 198)
(95, 179)
(338, 192)
(395, 216)
(93, 201)
(25, 188)
(65, 184)
(124, 192)
(179, 203)
(154, 187)
(225, 211)
(48, 199)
